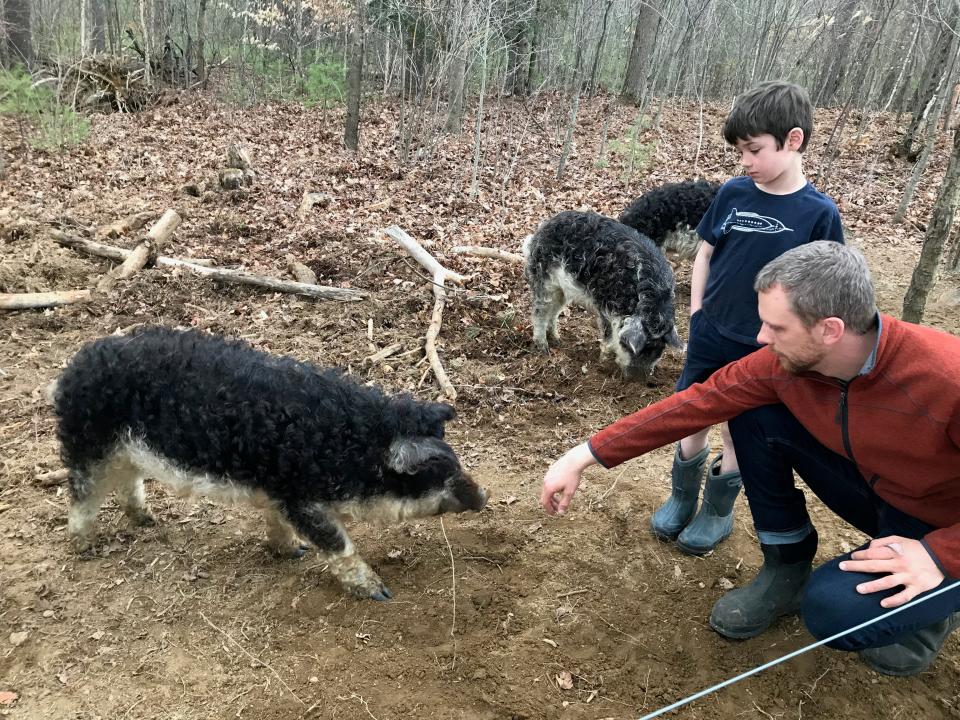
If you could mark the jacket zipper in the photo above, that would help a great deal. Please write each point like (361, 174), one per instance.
(843, 420)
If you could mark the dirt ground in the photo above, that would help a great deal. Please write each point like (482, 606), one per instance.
(499, 615)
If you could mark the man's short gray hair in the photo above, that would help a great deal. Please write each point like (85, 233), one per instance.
(824, 279)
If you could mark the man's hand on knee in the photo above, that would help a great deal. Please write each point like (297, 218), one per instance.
(907, 563)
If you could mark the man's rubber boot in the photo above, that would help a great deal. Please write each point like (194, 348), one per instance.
(685, 478)
(914, 652)
(776, 591)
(713, 523)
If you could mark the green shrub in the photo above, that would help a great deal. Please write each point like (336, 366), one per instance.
(637, 155)
(43, 121)
(325, 84)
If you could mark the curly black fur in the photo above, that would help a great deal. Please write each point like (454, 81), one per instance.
(615, 270)
(220, 406)
(669, 208)
(622, 270)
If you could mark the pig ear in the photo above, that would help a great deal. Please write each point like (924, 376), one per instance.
(674, 339)
(408, 455)
(632, 335)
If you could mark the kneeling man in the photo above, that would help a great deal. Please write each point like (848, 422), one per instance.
(866, 409)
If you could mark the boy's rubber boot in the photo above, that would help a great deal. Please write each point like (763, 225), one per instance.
(713, 522)
(685, 478)
(914, 652)
(776, 591)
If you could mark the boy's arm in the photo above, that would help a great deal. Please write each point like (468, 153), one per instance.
(699, 275)
(828, 227)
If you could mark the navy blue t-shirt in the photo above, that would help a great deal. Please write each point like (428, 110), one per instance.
(748, 228)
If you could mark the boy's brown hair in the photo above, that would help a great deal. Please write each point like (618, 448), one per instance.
(774, 107)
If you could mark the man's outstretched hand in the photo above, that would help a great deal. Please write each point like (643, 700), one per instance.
(563, 478)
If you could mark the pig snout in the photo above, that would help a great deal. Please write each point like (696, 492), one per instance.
(463, 494)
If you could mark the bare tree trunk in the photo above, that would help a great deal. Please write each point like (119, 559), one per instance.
(862, 67)
(924, 95)
(592, 85)
(458, 72)
(84, 29)
(938, 230)
(201, 43)
(19, 45)
(147, 71)
(98, 26)
(533, 46)
(933, 124)
(477, 143)
(351, 136)
(833, 72)
(641, 53)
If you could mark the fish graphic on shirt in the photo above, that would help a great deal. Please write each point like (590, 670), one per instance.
(752, 222)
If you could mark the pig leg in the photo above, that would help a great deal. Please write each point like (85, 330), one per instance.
(548, 301)
(281, 537)
(336, 548)
(606, 337)
(128, 479)
(90, 488)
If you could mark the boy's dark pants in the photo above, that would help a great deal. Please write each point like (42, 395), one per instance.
(771, 444)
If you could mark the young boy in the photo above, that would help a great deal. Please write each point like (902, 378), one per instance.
(753, 219)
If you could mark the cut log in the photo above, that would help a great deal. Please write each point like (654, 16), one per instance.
(487, 252)
(134, 262)
(24, 301)
(124, 225)
(300, 271)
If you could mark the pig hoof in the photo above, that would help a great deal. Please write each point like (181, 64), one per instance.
(291, 552)
(82, 546)
(143, 519)
(371, 586)
(382, 595)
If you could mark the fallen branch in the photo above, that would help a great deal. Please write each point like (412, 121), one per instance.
(54, 477)
(487, 252)
(440, 274)
(111, 252)
(134, 262)
(422, 256)
(383, 354)
(24, 301)
(322, 292)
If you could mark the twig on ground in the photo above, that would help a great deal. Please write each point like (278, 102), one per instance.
(252, 657)
(453, 574)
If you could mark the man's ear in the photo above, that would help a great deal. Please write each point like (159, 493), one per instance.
(794, 139)
(833, 330)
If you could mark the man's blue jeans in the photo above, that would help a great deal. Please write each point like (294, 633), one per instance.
(770, 445)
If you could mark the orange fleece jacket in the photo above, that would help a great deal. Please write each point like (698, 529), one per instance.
(901, 426)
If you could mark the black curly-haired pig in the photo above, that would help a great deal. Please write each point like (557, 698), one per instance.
(668, 214)
(217, 417)
(598, 263)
